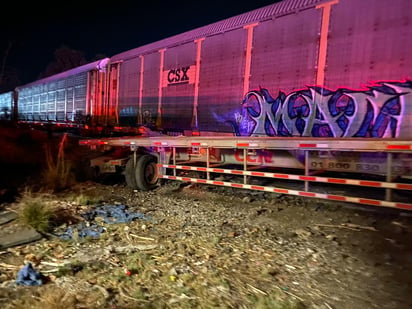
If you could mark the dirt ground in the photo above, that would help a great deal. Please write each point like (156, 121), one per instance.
(209, 247)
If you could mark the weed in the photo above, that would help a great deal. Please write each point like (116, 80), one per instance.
(57, 174)
(140, 263)
(276, 301)
(139, 292)
(35, 212)
(84, 200)
(39, 212)
(70, 269)
(51, 298)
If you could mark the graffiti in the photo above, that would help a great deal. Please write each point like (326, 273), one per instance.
(376, 111)
(148, 119)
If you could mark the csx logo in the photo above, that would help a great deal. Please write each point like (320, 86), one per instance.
(180, 75)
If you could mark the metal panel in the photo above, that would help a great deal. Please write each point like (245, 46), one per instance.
(60, 104)
(60, 100)
(51, 106)
(221, 80)
(43, 103)
(367, 42)
(150, 98)
(284, 52)
(128, 100)
(6, 105)
(178, 87)
(80, 98)
(70, 102)
(80, 93)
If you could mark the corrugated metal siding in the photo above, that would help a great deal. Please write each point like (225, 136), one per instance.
(177, 100)
(372, 46)
(285, 52)
(150, 88)
(222, 71)
(267, 12)
(58, 97)
(366, 40)
(60, 103)
(51, 98)
(80, 93)
(6, 105)
(129, 81)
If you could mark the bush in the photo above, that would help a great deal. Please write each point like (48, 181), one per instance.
(35, 212)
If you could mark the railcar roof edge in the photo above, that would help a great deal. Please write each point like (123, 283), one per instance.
(97, 65)
(269, 11)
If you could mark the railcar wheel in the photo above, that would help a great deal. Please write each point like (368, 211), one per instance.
(146, 174)
(129, 174)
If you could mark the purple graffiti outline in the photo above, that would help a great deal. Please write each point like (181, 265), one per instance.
(375, 111)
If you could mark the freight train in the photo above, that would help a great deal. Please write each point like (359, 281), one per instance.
(295, 68)
(334, 70)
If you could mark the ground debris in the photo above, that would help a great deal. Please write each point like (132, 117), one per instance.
(206, 249)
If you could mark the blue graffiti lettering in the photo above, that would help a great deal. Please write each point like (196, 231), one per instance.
(376, 111)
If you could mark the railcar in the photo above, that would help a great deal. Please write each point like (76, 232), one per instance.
(68, 98)
(313, 68)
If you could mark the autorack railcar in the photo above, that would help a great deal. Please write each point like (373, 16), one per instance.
(68, 98)
(311, 68)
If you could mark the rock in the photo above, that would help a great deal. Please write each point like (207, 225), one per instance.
(7, 216)
(331, 237)
(20, 236)
(302, 233)
(247, 199)
(231, 234)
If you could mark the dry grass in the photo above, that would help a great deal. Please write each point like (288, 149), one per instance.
(195, 271)
(189, 266)
(34, 211)
(43, 212)
(58, 172)
(84, 199)
(50, 298)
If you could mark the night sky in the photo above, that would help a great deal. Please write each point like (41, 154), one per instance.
(37, 29)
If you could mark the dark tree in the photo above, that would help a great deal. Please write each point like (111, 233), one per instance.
(65, 59)
(9, 80)
(8, 75)
(98, 57)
